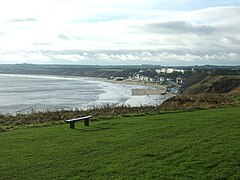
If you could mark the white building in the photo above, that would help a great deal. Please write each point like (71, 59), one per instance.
(162, 79)
(169, 70)
(145, 78)
(179, 80)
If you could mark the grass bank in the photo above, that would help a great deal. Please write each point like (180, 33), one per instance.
(211, 92)
(33, 119)
(201, 144)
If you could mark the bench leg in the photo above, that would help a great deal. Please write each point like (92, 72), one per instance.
(86, 122)
(72, 124)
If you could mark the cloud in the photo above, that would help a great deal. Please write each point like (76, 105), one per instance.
(24, 57)
(233, 40)
(120, 57)
(70, 58)
(63, 36)
(179, 27)
(42, 44)
(161, 57)
(119, 32)
(23, 20)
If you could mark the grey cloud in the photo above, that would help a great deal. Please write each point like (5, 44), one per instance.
(2, 33)
(120, 57)
(178, 27)
(234, 40)
(78, 38)
(63, 36)
(67, 37)
(41, 44)
(92, 53)
(23, 20)
(162, 57)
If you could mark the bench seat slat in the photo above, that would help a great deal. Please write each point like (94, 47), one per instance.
(78, 119)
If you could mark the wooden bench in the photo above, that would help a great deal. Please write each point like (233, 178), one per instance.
(72, 121)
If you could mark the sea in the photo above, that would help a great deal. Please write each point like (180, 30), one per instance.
(31, 93)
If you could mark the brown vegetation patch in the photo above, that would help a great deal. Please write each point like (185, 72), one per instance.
(9, 121)
(214, 84)
(200, 101)
(213, 91)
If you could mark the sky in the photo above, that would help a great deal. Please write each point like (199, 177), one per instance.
(118, 32)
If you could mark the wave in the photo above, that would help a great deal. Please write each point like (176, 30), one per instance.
(46, 92)
(45, 77)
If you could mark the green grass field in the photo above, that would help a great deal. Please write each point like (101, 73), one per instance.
(202, 144)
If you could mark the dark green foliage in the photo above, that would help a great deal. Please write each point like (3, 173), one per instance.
(173, 145)
(69, 70)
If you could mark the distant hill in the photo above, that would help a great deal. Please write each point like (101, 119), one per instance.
(68, 70)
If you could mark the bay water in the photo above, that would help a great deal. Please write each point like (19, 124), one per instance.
(26, 93)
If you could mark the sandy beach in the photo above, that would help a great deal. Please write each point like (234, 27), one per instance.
(149, 91)
(142, 89)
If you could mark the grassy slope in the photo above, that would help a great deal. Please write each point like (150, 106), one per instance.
(183, 145)
(213, 91)
(214, 84)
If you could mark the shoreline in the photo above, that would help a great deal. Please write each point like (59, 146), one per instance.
(129, 93)
(146, 89)
(150, 88)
